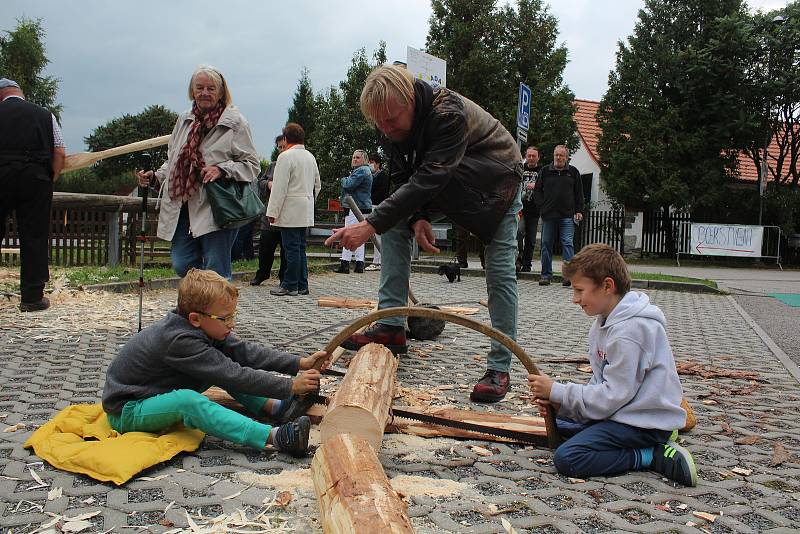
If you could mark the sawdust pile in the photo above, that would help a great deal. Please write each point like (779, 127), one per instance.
(410, 485)
(297, 479)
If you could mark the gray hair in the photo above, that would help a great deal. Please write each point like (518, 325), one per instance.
(218, 79)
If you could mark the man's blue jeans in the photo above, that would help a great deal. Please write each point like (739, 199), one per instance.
(566, 229)
(603, 448)
(210, 251)
(293, 241)
(501, 279)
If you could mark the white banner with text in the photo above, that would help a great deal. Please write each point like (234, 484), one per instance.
(709, 239)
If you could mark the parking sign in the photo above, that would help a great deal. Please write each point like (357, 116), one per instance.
(524, 107)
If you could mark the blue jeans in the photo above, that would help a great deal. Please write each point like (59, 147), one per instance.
(293, 241)
(603, 448)
(566, 230)
(209, 251)
(501, 279)
(194, 410)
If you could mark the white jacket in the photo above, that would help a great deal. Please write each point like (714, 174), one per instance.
(634, 380)
(295, 186)
(229, 146)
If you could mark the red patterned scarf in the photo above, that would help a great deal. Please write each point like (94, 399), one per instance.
(186, 173)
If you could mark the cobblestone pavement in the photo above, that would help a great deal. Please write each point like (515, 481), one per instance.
(58, 357)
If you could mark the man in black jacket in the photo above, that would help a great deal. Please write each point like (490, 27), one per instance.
(380, 192)
(270, 237)
(31, 158)
(559, 195)
(449, 158)
(530, 212)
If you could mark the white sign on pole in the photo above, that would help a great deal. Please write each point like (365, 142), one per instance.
(426, 67)
(710, 239)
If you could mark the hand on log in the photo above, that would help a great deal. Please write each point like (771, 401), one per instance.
(306, 382)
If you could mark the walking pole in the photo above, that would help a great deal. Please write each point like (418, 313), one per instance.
(148, 159)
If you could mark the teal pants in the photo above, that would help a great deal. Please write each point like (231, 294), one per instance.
(194, 410)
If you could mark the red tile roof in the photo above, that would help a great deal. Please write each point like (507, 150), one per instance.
(589, 131)
(588, 128)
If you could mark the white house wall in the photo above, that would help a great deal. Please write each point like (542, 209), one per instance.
(583, 161)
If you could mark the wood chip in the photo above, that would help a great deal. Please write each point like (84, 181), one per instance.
(705, 515)
(742, 471)
(54, 494)
(14, 428)
(747, 440)
(585, 368)
(779, 454)
(283, 498)
(480, 451)
(507, 526)
(575, 480)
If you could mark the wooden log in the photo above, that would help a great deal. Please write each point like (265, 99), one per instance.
(63, 200)
(353, 491)
(361, 406)
(358, 304)
(86, 159)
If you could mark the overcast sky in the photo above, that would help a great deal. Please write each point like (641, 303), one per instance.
(115, 57)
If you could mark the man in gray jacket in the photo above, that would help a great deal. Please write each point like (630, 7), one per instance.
(450, 158)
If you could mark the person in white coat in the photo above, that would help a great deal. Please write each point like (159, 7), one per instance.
(212, 141)
(295, 187)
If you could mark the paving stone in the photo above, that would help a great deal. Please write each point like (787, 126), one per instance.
(47, 367)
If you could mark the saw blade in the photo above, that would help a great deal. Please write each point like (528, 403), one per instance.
(517, 435)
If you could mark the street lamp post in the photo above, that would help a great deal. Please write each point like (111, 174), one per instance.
(763, 172)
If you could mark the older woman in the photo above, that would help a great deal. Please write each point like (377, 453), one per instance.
(212, 141)
(359, 186)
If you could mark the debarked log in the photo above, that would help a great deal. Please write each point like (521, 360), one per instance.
(361, 405)
(352, 489)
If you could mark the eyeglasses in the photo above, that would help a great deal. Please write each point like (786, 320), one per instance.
(228, 319)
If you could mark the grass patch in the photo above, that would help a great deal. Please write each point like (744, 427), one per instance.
(669, 278)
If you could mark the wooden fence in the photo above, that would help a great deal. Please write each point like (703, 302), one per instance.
(92, 230)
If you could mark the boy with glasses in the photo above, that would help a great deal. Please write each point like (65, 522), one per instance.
(158, 377)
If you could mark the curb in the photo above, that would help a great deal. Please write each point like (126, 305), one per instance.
(689, 287)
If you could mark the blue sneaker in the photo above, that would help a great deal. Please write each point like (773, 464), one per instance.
(675, 463)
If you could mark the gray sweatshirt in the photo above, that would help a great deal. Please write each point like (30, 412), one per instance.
(172, 354)
(634, 380)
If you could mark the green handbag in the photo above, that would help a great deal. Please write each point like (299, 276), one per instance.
(233, 203)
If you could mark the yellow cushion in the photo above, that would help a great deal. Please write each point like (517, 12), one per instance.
(80, 440)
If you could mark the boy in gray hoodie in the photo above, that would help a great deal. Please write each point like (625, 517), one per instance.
(626, 417)
(158, 377)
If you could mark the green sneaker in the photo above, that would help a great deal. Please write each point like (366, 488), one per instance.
(675, 463)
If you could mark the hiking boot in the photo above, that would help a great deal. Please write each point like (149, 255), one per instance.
(281, 291)
(675, 463)
(544, 281)
(344, 267)
(373, 267)
(39, 305)
(302, 291)
(391, 337)
(294, 407)
(566, 283)
(359, 267)
(293, 437)
(491, 388)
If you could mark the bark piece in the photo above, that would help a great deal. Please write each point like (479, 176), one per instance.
(353, 491)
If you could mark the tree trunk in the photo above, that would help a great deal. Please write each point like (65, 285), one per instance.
(361, 406)
(353, 491)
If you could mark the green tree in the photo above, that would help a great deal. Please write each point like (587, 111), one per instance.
(340, 127)
(303, 110)
(489, 50)
(668, 134)
(23, 58)
(154, 121)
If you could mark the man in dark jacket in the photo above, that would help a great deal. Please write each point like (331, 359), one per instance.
(270, 236)
(31, 159)
(380, 192)
(530, 212)
(449, 158)
(559, 195)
